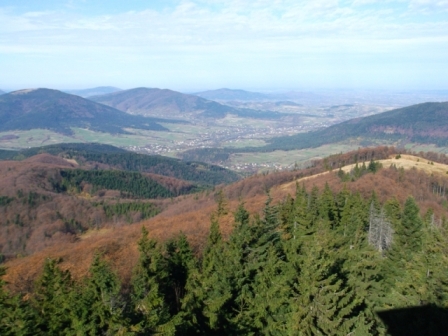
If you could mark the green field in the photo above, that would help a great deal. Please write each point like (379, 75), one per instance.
(178, 134)
(244, 143)
(33, 138)
(301, 157)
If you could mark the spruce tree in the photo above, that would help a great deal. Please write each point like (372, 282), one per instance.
(16, 317)
(98, 307)
(301, 218)
(151, 312)
(262, 301)
(322, 302)
(410, 233)
(208, 289)
(241, 216)
(327, 206)
(267, 307)
(404, 268)
(353, 220)
(424, 277)
(179, 257)
(52, 299)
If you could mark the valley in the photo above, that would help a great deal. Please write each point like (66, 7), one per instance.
(233, 129)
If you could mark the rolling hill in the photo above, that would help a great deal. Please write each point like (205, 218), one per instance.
(93, 91)
(100, 156)
(171, 104)
(191, 214)
(51, 194)
(47, 199)
(58, 111)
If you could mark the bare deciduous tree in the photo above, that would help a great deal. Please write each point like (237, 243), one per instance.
(380, 229)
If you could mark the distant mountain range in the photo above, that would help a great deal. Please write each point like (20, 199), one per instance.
(2, 92)
(229, 94)
(59, 111)
(329, 97)
(93, 91)
(172, 104)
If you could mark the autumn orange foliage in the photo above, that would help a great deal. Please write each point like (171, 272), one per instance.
(191, 214)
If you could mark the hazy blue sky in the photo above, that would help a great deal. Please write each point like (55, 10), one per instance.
(198, 45)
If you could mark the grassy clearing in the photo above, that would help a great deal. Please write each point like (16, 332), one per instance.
(410, 162)
(406, 162)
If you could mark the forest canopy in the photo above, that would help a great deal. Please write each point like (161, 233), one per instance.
(319, 262)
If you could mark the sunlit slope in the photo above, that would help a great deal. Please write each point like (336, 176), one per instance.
(404, 161)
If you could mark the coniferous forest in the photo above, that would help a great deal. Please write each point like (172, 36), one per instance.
(318, 263)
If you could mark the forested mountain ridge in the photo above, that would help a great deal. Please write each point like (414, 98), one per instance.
(58, 111)
(95, 156)
(346, 245)
(172, 104)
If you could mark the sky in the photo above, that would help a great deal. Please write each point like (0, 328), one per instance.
(258, 45)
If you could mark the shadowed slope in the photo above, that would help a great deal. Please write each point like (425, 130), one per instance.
(172, 104)
(58, 111)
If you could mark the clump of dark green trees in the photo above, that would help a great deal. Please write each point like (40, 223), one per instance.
(318, 263)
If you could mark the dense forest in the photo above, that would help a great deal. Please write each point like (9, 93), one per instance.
(130, 184)
(94, 155)
(318, 263)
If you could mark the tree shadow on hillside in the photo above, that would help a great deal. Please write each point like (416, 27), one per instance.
(425, 320)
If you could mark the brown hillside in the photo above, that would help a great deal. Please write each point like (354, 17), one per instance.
(51, 159)
(191, 214)
(34, 216)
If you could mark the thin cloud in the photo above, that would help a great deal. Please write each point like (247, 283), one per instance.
(236, 34)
